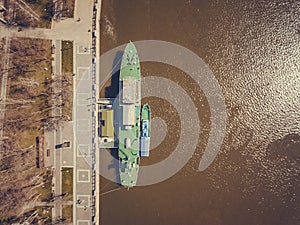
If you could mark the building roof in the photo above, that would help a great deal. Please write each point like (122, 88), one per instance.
(107, 129)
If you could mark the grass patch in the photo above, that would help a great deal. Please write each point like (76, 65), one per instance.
(26, 85)
(67, 70)
(28, 137)
(67, 213)
(69, 6)
(45, 190)
(67, 96)
(67, 182)
(67, 57)
(45, 213)
(45, 9)
(24, 120)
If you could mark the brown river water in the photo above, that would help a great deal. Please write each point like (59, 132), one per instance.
(252, 48)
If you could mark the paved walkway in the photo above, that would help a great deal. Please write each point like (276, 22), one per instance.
(68, 29)
(83, 157)
(57, 137)
(5, 64)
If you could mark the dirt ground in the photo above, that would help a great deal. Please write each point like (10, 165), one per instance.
(28, 108)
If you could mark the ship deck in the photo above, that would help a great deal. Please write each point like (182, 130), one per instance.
(130, 106)
(133, 135)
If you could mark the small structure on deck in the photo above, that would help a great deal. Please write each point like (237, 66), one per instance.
(107, 137)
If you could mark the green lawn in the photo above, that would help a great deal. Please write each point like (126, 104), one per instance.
(46, 189)
(67, 70)
(67, 182)
(45, 9)
(67, 57)
(45, 214)
(36, 63)
(69, 8)
(67, 96)
(67, 213)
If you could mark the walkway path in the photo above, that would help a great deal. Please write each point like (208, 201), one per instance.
(57, 113)
(83, 158)
(4, 73)
(67, 29)
(5, 64)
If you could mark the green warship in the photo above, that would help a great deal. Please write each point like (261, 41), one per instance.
(129, 123)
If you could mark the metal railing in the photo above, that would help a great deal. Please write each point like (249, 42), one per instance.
(94, 114)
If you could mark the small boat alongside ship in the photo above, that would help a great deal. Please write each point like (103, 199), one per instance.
(145, 131)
